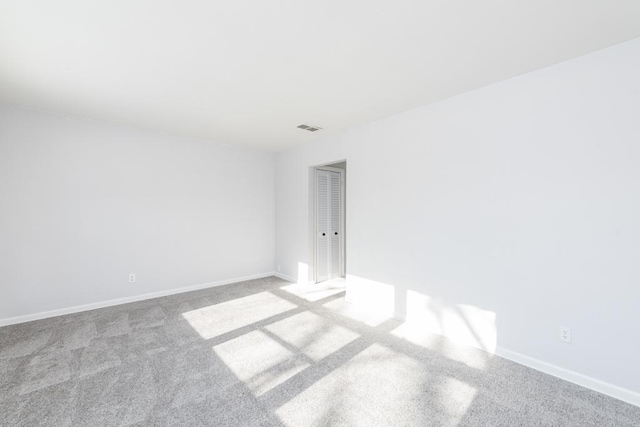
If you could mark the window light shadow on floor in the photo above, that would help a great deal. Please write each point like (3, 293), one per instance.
(310, 358)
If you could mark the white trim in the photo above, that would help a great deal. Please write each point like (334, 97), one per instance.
(285, 277)
(603, 387)
(615, 391)
(119, 301)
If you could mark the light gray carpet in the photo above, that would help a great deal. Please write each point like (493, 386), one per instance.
(262, 353)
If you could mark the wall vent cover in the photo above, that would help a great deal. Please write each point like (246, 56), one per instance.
(310, 128)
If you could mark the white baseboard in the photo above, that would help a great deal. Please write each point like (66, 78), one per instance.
(109, 303)
(591, 383)
(620, 393)
(603, 387)
(285, 277)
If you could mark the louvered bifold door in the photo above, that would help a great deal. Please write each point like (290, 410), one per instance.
(328, 224)
(322, 225)
(334, 224)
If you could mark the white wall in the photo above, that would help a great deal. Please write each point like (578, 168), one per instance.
(520, 200)
(82, 204)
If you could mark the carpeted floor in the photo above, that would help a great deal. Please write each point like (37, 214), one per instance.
(263, 353)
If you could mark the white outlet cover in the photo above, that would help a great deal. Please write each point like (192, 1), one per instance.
(132, 277)
(565, 334)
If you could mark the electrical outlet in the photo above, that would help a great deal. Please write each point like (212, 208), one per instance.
(565, 334)
(132, 277)
(278, 269)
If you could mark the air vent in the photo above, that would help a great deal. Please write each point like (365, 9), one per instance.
(310, 128)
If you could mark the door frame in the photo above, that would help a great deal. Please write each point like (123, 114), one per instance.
(343, 218)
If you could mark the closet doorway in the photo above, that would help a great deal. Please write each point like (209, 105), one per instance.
(329, 221)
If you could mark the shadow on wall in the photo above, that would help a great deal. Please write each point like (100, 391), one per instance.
(425, 314)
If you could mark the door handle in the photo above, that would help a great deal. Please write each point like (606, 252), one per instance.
(336, 233)
(324, 234)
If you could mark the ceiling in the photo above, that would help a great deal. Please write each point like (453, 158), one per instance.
(247, 72)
